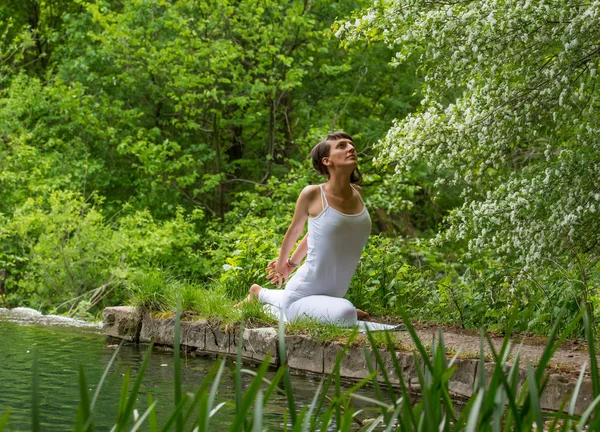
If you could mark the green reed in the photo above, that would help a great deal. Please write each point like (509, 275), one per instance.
(499, 403)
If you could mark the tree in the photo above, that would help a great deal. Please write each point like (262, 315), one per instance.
(511, 107)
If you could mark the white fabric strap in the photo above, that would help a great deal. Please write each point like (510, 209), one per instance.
(358, 193)
(324, 201)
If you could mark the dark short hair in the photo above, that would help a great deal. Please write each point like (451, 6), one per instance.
(321, 150)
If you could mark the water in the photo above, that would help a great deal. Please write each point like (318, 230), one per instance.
(61, 350)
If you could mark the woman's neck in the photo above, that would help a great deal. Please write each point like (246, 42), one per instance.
(339, 186)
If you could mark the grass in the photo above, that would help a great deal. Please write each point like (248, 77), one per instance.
(161, 294)
(503, 404)
(157, 292)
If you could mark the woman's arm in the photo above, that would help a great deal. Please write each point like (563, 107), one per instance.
(300, 251)
(292, 234)
(297, 257)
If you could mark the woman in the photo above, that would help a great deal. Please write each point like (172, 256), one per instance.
(338, 228)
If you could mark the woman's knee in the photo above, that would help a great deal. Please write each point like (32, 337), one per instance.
(346, 313)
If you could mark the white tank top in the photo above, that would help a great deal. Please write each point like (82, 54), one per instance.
(335, 243)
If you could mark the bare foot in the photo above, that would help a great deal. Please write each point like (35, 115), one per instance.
(361, 315)
(252, 295)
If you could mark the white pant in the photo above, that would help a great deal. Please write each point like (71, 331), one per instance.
(323, 308)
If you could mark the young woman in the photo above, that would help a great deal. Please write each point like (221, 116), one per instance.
(338, 228)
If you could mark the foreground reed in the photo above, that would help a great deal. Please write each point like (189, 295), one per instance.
(501, 405)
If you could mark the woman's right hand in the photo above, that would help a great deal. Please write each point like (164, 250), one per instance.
(278, 274)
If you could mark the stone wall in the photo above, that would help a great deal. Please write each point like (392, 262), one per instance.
(308, 356)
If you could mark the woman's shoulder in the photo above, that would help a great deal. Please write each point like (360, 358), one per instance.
(310, 192)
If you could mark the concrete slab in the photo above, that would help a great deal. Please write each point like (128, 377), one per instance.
(123, 322)
(462, 381)
(161, 331)
(304, 354)
(353, 364)
(406, 362)
(193, 334)
(217, 339)
(259, 342)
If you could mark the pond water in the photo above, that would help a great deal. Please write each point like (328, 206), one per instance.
(61, 350)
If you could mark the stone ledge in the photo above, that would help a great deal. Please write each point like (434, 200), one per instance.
(353, 364)
(462, 382)
(306, 355)
(259, 342)
(122, 322)
(406, 362)
(217, 340)
(158, 330)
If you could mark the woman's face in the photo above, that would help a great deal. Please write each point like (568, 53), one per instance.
(341, 154)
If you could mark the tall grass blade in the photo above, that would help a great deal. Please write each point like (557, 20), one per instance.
(249, 396)
(328, 381)
(35, 395)
(373, 401)
(125, 415)
(152, 420)
(558, 415)
(586, 415)
(84, 405)
(445, 372)
(549, 349)
(311, 408)
(257, 425)
(177, 365)
(216, 409)
(123, 397)
(415, 338)
(337, 392)
(140, 421)
(395, 415)
(238, 371)
(474, 412)
(406, 398)
(287, 381)
(172, 420)
(499, 373)
(379, 362)
(575, 394)
(534, 397)
(589, 335)
(384, 411)
(513, 417)
(325, 419)
(202, 391)
(552, 347)
(213, 394)
(104, 374)
(347, 420)
(4, 420)
(202, 419)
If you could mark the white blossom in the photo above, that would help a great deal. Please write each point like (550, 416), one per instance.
(523, 138)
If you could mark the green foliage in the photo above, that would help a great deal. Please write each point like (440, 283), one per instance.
(184, 128)
(137, 136)
(64, 247)
(152, 290)
(254, 245)
(511, 111)
(70, 253)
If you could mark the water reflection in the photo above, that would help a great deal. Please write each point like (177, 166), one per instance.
(61, 350)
